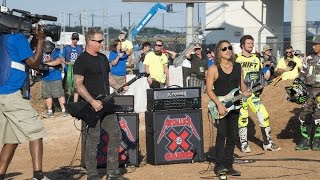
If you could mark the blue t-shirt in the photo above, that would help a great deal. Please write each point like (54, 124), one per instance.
(71, 53)
(210, 62)
(18, 49)
(54, 73)
(120, 68)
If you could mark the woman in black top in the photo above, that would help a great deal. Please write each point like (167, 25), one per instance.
(225, 75)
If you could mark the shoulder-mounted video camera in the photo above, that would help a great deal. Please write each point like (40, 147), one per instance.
(12, 22)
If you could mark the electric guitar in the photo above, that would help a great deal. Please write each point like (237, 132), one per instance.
(228, 101)
(84, 111)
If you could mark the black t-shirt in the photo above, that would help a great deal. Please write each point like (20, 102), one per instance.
(95, 70)
(198, 66)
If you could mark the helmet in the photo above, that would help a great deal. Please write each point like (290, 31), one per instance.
(48, 46)
(297, 92)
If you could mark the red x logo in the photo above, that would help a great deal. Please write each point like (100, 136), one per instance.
(179, 140)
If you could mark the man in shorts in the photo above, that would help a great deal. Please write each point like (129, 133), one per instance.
(19, 122)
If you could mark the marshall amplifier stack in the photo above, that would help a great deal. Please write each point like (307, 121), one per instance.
(174, 125)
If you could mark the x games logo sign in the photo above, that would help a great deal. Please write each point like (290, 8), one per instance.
(179, 146)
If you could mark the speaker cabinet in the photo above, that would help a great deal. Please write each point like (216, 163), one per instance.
(174, 136)
(129, 147)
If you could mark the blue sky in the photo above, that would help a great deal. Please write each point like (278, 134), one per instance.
(137, 11)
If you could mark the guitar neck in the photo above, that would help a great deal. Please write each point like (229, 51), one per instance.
(237, 98)
(119, 90)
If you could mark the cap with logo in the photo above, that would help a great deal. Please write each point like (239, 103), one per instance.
(297, 52)
(123, 32)
(75, 36)
(266, 47)
(316, 39)
(48, 46)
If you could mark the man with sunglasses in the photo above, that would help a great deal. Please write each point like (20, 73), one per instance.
(156, 64)
(91, 77)
(251, 67)
(69, 55)
(225, 76)
(310, 111)
(289, 66)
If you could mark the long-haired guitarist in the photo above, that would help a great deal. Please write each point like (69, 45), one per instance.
(225, 75)
(91, 77)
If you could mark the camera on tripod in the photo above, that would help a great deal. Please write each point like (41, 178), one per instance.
(11, 23)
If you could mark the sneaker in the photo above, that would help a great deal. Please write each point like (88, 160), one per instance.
(64, 114)
(44, 178)
(303, 145)
(115, 177)
(316, 145)
(93, 177)
(233, 172)
(48, 115)
(271, 147)
(246, 148)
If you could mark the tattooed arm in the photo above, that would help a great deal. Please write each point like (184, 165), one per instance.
(82, 90)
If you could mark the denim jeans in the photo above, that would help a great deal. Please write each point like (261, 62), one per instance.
(111, 125)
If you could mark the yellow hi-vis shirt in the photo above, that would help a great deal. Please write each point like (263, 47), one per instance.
(294, 72)
(156, 65)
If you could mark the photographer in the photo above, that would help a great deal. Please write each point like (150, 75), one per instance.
(269, 62)
(19, 122)
(140, 55)
(51, 86)
(118, 60)
(289, 66)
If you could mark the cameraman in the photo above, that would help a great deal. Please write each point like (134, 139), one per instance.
(19, 122)
(289, 66)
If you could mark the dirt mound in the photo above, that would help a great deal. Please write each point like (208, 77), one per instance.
(61, 147)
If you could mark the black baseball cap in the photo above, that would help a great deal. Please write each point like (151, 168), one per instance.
(75, 36)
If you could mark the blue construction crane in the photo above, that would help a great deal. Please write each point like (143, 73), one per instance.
(148, 17)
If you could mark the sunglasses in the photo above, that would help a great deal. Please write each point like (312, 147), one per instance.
(225, 48)
(208, 52)
(197, 48)
(98, 41)
(75, 39)
(289, 52)
(159, 45)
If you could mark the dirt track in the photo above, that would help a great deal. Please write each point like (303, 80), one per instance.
(62, 139)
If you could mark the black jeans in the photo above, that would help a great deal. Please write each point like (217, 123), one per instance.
(111, 125)
(227, 130)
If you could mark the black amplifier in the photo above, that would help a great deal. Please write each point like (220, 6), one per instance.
(124, 103)
(173, 98)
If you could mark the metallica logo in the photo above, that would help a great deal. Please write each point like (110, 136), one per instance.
(124, 126)
(178, 122)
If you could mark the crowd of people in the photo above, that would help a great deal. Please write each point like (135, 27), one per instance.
(89, 73)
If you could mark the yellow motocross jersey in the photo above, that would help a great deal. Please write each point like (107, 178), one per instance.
(249, 64)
